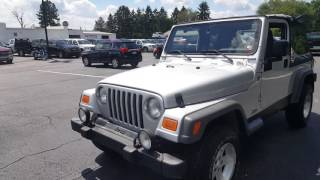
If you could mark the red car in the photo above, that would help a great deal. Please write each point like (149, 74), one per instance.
(6, 55)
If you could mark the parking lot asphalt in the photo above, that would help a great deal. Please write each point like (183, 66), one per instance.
(38, 99)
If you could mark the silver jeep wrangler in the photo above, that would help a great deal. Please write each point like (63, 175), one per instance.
(215, 83)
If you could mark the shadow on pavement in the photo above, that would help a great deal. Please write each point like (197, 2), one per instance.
(123, 67)
(278, 152)
(275, 152)
(114, 167)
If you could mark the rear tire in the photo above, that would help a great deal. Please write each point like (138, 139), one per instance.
(134, 65)
(298, 114)
(21, 53)
(86, 62)
(217, 157)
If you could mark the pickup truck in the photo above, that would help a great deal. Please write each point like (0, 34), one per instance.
(215, 84)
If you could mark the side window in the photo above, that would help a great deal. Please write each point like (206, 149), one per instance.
(75, 42)
(279, 31)
(277, 44)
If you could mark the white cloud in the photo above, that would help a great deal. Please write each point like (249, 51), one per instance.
(79, 13)
(238, 5)
(222, 14)
(177, 3)
(110, 9)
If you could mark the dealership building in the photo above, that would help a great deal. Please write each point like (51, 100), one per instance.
(54, 33)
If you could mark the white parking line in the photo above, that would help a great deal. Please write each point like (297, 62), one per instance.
(72, 74)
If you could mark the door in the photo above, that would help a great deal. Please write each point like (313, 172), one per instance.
(276, 75)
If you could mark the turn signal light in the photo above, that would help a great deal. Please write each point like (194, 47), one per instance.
(85, 99)
(170, 124)
(196, 128)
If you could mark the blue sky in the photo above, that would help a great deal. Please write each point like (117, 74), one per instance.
(83, 13)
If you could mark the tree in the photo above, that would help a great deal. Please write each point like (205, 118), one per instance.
(203, 11)
(122, 18)
(100, 25)
(186, 15)
(294, 8)
(148, 17)
(316, 11)
(174, 15)
(49, 9)
(165, 23)
(111, 25)
(19, 17)
(139, 24)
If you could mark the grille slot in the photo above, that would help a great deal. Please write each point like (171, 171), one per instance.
(126, 107)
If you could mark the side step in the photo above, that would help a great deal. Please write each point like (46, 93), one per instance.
(254, 126)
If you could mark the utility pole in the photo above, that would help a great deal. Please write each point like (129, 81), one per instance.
(45, 23)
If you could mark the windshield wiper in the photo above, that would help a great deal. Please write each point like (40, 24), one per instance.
(180, 52)
(218, 52)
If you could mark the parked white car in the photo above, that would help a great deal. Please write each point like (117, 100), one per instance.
(83, 44)
(11, 44)
(147, 45)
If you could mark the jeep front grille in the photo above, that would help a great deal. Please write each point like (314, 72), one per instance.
(125, 107)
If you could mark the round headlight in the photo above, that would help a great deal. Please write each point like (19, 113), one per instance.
(154, 108)
(84, 115)
(102, 94)
(145, 140)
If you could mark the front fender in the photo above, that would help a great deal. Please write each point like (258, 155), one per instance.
(299, 81)
(206, 116)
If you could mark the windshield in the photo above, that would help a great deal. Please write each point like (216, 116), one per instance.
(230, 37)
(84, 42)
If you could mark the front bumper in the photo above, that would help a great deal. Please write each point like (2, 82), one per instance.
(163, 163)
(5, 58)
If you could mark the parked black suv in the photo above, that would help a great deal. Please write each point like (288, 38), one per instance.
(59, 48)
(23, 46)
(115, 52)
(65, 49)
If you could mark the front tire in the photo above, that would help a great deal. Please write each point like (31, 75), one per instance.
(61, 54)
(86, 62)
(298, 114)
(115, 63)
(9, 61)
(218, 158)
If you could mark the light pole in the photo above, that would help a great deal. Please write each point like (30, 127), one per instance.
(44, 8)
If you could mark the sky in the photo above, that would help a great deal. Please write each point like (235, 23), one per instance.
(83, 13)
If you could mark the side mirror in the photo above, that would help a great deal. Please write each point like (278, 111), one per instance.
(280, 49)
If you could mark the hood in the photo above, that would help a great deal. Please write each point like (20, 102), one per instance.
(4, 49)
(195, 81)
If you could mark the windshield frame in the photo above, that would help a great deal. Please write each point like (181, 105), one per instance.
(253, 51)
